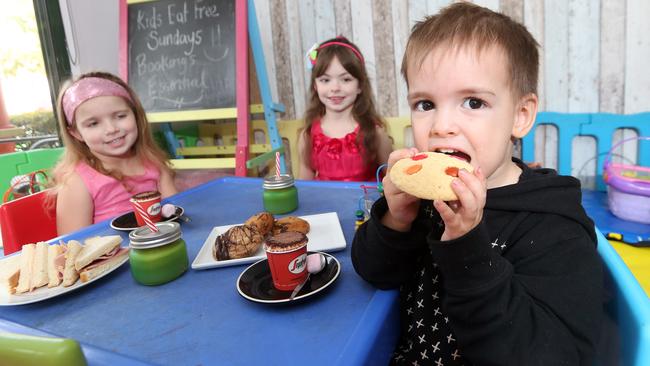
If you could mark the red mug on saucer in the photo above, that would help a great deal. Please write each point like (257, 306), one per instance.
(287, 257)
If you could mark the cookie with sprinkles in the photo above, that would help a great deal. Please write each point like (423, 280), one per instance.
(428, 175)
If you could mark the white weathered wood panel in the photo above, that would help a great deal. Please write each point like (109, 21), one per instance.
(308, 37)
(637, 56)
(434, 6)
(306, 9)
(556, 55)
(419, 9)
(534, 22)
(583, 80)
(343, 18)
(401, 31)
(512, 8)
(584, 46)
(490, 4)
(546, 145)
(263, 13)
(324, 20)
(384, 58)
(583, 160)
(612, 64)
(296, 58)
(626, 153)
(362, 31)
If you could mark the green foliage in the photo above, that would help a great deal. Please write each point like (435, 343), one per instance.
(37, 123)
(20, 49)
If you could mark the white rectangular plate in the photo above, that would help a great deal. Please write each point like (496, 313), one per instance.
(325, 235)
(45, 293)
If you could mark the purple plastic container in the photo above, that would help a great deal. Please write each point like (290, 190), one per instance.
(628, 188)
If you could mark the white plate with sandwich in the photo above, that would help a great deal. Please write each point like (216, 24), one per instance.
(42, 271)
(325, 235)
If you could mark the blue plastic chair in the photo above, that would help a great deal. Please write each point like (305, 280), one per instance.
(600, 126)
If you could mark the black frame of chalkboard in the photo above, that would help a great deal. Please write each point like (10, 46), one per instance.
(175, 115)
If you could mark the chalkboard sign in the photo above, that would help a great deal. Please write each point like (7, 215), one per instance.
(181, 54)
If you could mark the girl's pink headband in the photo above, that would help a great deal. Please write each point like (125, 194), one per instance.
(88, 88)
(312, 54)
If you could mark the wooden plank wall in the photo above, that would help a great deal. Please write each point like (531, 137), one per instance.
(593, 52)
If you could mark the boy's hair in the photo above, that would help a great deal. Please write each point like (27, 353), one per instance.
(467, 25)
(363, 109)
(76, 151)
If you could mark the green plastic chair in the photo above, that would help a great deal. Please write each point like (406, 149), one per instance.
(24, 162)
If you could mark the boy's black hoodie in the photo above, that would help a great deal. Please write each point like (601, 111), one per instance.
(523, 288)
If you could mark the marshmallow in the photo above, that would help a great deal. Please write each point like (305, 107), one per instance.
(168, 210)
(315, 263)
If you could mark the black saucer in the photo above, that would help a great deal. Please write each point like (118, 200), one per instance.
(127, 221)
(255, 282)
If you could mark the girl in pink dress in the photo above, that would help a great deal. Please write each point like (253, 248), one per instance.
(344, 138)
(109, 153)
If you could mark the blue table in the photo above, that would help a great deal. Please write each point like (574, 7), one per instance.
(595, 203)
(201, 319)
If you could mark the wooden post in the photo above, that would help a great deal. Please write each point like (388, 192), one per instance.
(243, 114)
(6, 147)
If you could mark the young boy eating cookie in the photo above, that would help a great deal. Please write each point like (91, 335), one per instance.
(508, 274)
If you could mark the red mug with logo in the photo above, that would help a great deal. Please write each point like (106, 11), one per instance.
(287, 257)
(146, 206)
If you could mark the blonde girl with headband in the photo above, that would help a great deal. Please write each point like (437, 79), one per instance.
(344, 137)
(109, 153)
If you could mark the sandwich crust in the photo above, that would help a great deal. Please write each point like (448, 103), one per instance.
(96, 247)
(70, 274)
(54, 279)
(39, 276)
(10, 273)
(93, 271)
(26, 268)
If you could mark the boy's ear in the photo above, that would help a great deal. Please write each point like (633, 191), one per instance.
(525, 115)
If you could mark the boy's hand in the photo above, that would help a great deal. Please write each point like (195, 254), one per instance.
(463, 215)
(402, 207)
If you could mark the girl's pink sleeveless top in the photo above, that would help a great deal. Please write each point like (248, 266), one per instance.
(109, 195)
(339, 158)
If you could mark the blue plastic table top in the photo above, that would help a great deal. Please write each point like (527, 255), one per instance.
(595, 203)
(201, 319)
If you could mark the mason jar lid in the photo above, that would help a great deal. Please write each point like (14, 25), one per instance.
(278, 181)
(144, 238)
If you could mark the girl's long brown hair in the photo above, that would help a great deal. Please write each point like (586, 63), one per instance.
(363, 109)
(77, 151)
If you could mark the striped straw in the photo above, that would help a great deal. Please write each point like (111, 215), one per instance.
(277, 163)
(145, 216)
